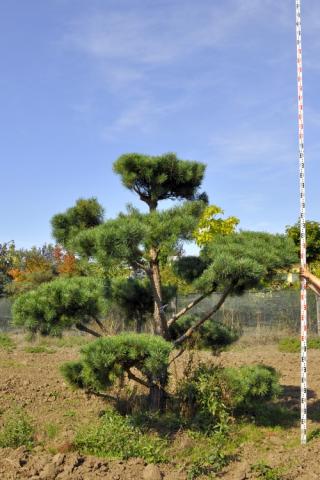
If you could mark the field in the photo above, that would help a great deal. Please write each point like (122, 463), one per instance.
(266, 447)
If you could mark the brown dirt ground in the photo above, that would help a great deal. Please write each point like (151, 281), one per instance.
(33, 381)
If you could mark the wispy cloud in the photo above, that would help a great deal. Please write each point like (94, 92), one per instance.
(159, 35)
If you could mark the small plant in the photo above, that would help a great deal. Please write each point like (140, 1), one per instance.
(208, 455)
(265, 472)
(203, 398)
(114, 437)
(17, 430)
(6, 343)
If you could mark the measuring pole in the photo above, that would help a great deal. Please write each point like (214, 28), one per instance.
(302, 231)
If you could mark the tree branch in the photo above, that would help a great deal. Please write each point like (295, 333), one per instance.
(184, 310)
(83, 328)
(132, 376)
(198, 324)
(177, 356)
(100, 324)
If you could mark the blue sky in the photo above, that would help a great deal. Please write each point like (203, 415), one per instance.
(215, 81)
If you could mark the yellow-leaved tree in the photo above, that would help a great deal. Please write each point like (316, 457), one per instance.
(211, 224)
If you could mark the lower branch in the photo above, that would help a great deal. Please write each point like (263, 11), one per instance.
(100, 324)
(184, 310)
(177, 356)
(83, 328)
(132, 376)
(209, 314)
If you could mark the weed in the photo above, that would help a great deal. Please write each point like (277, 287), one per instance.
(207, 455)
(6, 343)
(51, 430)
(265, 472)
(113, 437)
(17, 430)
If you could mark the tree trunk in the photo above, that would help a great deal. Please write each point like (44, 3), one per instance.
(160, 322)
(157, 393)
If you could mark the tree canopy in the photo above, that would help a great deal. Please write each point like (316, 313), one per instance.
(86, 213)
(60, 305)
(313, 238)
(161, 177)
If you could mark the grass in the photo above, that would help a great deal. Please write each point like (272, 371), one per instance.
(114, 438)
(17, 430)
(292, 344)
(6, 343)
(51, 430)
(39, 349)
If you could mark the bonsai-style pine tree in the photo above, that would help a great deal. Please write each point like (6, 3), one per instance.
(139, 243)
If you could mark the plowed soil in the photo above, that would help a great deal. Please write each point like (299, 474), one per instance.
(33, 382)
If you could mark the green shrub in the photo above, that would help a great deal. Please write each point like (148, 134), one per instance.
(213, 393)
(6, 343)
(293, 345)
(251, 385)
(113, 437)
(211, 335)
(110, 358)
(289, 345)
(16, 430)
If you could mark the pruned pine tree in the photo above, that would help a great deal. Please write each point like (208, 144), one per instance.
(140, 243)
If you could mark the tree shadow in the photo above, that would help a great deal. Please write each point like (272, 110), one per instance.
(285, 411)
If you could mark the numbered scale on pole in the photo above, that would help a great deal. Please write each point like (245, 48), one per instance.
(302, 230)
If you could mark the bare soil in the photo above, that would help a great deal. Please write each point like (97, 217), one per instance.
(33, 382)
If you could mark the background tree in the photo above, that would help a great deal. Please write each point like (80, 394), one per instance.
(313, 239)
(8, 256)
(211, 225)
(35, 266)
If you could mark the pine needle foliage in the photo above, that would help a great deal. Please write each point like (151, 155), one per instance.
(244, 260)
(86, 213)
(252, 384)
(161, 177)
(59, 305)
(107, 359)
